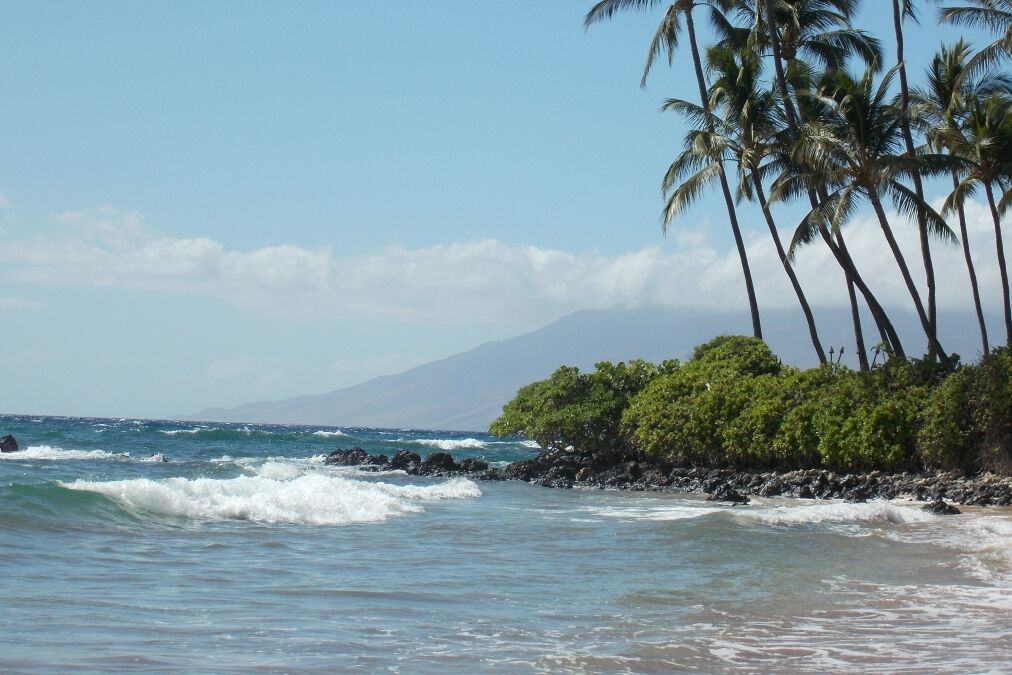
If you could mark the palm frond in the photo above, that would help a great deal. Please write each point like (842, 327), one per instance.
(909, 204)
(688, 192)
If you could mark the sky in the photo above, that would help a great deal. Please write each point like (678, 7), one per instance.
(210, 203)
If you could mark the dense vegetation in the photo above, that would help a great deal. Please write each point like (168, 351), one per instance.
(795, 103)
(734, 404)
(782, 116)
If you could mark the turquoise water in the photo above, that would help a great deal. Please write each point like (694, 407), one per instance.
(128, 544)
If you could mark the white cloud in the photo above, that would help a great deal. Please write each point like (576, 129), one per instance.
(18, 303)
(484, 279)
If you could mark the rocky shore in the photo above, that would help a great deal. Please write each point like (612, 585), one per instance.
(561, 469)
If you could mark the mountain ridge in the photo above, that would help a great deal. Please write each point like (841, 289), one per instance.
(466, 391)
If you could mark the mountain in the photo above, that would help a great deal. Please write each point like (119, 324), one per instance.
(466, 391)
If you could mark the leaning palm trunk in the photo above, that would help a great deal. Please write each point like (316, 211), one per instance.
(791, 115)
(724, 187)
(785, 261)
(1001, 261)
(885, 327)
(969, 266)
(922, 221)
(901, 262)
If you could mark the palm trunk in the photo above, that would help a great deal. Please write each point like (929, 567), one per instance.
(922, 220)
(876, 203)
(1001, 262)
(885, 327)
(725, 188)
(788, 268)
(969, 266)
(792, 116)
(778, 66)
(855, 317)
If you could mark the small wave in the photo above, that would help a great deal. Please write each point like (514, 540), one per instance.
(447, 443)
(666, 512)
(313, 499)
(198, 430)
(51, 453)
(330, 434)
(834, 513)
(159, 457)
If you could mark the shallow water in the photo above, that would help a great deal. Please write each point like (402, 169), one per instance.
(243, 552)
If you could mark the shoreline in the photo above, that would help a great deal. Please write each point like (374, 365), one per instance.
(565, 470)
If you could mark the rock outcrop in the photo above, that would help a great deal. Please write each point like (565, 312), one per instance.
(9, 444)
(568, 469)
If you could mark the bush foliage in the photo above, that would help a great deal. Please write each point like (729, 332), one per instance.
(734, 404)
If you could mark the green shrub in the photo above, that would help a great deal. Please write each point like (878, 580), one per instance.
(967, 422)
(682, 416)
(582, 410)
(734, 404)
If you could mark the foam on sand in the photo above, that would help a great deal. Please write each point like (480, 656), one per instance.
(277, 497)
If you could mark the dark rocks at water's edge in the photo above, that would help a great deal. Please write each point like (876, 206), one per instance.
(565, 469)
(9, 444)
(940, 507)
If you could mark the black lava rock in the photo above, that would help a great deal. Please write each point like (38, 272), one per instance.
(347, 457)
(9, 444)
(940, 508)
(472, 465)
(406, 461)
(437, 463)
(726, 493)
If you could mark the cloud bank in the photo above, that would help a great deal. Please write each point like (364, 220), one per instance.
(478, 280)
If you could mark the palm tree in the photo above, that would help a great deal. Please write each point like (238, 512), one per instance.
(666, 39)
(993, 15)
(942, 111)
(856, 152)
(746, 132)
(904, 9)
(983, 144)
(803, 35)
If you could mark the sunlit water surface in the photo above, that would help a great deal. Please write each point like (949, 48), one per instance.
(242, 551)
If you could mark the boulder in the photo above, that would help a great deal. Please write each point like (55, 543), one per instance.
(584, 474)
(726, 493)
(940, 508)
(437, 463)
(774, 487)
(9, 444)
(347, 457)
(473, 465)
(406, 461)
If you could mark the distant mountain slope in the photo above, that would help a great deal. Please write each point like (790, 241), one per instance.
(467, 391)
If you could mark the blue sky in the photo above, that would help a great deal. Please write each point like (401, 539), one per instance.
(211, 203)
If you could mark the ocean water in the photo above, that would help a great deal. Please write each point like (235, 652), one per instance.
(173, 546)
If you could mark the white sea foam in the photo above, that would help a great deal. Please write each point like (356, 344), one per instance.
(448, 443)
(314, 498)
(49, 452)
(329, 434)
(658, 512)
(197, 430)
(834, 512)
(159, 457)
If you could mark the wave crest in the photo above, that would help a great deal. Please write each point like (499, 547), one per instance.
(54, 453)
(312, 499)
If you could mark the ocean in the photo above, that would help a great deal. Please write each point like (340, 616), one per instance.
(174, 546)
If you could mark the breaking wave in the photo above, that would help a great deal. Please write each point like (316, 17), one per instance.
(278, 494)
(448, 443)
(51, 453)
